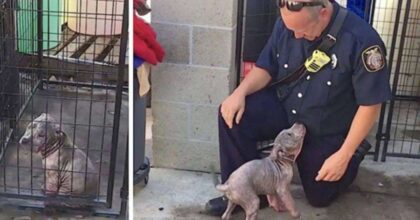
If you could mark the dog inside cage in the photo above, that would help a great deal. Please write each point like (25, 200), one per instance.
(64, 114)
(68, 170)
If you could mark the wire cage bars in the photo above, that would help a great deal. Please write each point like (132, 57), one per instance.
(63, 118)
(398, 134)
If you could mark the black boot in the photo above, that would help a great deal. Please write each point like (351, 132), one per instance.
(217, 206)
(362, 150)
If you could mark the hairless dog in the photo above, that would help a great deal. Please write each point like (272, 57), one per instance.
(270, 176)
(68, 170)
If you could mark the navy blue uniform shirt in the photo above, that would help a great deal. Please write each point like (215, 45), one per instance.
(327, 101)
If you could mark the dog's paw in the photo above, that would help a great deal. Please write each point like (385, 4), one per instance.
(295, 215)
(275, 202)
(50, 192)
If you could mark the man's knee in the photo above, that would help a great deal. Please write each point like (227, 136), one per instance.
(321, 195)
(219, 115)
(221, 120)
(319, 201)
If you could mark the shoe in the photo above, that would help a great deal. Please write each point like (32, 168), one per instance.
(362, 150)
(217, 206)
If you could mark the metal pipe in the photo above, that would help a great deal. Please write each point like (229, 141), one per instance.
(125, 189)
(40, 31)
(239, 35)
(82, 84)
(117, 108)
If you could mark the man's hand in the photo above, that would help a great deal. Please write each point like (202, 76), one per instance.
(334, 167)
(233, 105)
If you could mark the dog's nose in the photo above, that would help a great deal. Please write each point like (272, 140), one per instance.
(24, 140)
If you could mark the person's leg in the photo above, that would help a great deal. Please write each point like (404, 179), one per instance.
(263, 119)
(310, 161)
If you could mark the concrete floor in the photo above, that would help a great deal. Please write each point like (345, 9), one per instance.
(13, 214)
(383, 191)
(175, 194)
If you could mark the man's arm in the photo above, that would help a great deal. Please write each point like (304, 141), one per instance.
(233, 105)
(335, 166)
(257, 79)
(361, 125)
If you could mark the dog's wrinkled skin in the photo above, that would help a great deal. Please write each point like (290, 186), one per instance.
(68, 170)
(270, 176)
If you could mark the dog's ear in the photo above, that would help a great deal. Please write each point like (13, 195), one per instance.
(277, 140)
(274, 152)
(47, 116)
(52, 139)
(57, 137)
(56, 127)
(60, 134)
(51, 121)
(43, 115)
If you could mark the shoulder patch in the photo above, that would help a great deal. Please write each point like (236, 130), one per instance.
(373, 58)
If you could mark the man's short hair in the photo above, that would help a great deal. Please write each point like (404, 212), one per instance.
(316, 9)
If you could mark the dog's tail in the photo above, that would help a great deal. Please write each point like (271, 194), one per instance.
(216, 182)
(222, 187)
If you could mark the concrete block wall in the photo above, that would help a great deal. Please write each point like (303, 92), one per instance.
(196, 75)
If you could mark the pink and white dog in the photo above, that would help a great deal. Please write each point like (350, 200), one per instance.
(68, 170)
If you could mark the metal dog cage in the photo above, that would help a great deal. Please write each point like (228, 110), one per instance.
(399, 126)
(68, 59)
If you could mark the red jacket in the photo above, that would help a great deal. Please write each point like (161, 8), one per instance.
(145, 43)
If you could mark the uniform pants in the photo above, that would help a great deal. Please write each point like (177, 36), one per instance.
(263, 119)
